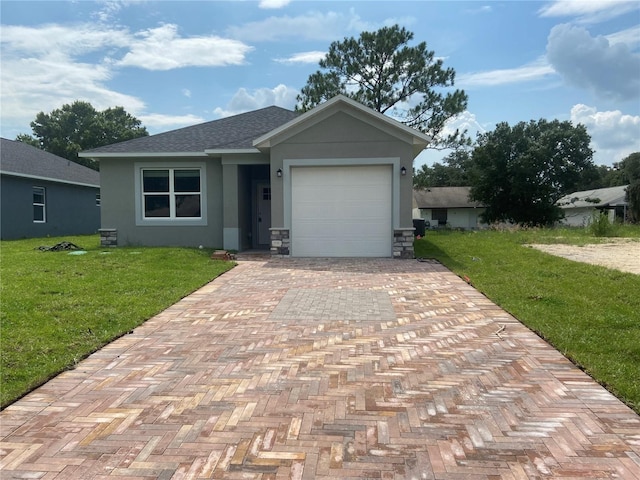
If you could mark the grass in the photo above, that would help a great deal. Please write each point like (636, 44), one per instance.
(58, 308)
(589, 313)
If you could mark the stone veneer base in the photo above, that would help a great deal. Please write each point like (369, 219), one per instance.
(280, 242)
(402, 243)
(108, 237)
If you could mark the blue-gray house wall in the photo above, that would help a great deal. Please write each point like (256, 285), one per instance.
(70, 209)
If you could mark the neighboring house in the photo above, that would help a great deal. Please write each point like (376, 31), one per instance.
(332, 182)
(45, 195)
(447, 206)
(579, 207)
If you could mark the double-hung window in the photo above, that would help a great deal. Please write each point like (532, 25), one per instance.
(171, 193)
(39, 205)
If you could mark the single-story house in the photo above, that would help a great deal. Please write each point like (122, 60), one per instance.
(335, 181)
(578, 207)
(45, 195)
(447, 206)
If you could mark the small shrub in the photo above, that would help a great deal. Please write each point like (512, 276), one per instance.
(600, 226)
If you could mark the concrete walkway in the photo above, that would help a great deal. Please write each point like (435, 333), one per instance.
(329, 369)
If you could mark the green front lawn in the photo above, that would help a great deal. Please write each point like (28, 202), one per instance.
(590, 313)
(57, 308)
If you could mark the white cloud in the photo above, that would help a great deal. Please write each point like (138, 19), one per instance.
(71, 39)
(273, 3)
(314, 25)
(465, 121)
(614, 135)
(47, 66)
(32, 85)
(479, 10)
(610, 71)
(586, 12)
(535, 70)
(630, 36)
(303, 57)
(40, 71)
(186, 92)
(159, 122)
(161, 48)
(326, 26)
(245, 101)
(110, 8)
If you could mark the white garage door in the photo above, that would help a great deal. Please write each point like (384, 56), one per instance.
(341, 211)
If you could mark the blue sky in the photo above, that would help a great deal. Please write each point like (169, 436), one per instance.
(178, 63)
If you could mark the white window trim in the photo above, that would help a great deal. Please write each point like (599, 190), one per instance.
(43, 204)
(141, 220)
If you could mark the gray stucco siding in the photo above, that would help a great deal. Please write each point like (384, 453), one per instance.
(70, 209)
(121, 204)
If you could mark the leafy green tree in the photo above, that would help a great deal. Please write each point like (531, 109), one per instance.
(451, 173)
(79, 126)
(28, 139)
(380, 70)
(520, 172)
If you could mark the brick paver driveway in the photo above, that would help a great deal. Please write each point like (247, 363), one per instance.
(324, 369)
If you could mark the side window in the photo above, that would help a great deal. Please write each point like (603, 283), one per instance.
(98, 200)
(39, 205)
(439, 215)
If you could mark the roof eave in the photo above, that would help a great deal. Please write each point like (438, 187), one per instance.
(100, 155)
(227, 151)
(49, 179)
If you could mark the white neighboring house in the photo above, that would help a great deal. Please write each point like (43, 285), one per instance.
(578, 207)
(447, 206)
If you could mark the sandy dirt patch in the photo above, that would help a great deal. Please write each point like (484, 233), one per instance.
(622, 254)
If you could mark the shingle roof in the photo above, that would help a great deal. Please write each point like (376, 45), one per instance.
(236, 132)
(24, 160)
(444, 197)
(600, 197)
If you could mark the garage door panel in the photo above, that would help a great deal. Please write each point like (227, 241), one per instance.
(328, 228)
(341, 211)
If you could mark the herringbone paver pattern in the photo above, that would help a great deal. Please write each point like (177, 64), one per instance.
(335, 369)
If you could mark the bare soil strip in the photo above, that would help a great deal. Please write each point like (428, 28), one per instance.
(621, 254)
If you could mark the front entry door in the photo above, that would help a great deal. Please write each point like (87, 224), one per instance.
(264, 213)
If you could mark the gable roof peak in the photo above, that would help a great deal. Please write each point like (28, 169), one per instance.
(338, 102)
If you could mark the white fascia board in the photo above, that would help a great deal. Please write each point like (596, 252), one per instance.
(48, 179)
(419, 138)
(98, 156)
(227, 151)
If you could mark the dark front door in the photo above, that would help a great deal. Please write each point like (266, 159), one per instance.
(264, 213)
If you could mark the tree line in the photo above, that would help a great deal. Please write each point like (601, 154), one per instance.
(520, 171)
(78, 126)
(517, 171)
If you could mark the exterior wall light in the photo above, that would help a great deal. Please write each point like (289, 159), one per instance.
(279, 173)
(403, 171)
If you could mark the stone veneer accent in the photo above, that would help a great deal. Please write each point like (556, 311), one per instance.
(108, 237)
(280, 242)
(403, 243)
